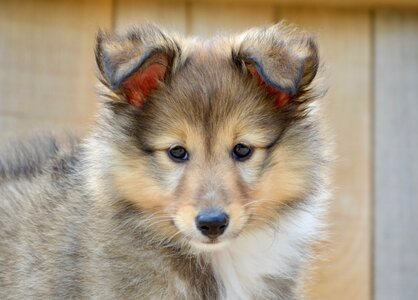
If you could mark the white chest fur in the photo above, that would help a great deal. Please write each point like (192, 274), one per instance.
(241, 266)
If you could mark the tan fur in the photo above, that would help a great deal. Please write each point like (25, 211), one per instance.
(115, 216)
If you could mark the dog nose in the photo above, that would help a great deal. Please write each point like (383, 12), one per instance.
(212, 223)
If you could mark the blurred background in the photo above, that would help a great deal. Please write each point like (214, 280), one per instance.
(370, 51)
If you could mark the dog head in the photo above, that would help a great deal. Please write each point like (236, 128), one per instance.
(209, 139)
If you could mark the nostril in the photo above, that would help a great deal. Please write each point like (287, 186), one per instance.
(212, 223)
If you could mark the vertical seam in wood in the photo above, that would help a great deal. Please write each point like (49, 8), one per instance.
(188, 13)
(113, 14)
(372, 154)
(276, 15)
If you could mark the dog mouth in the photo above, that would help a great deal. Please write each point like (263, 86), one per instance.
(212, 241)
(209, 246)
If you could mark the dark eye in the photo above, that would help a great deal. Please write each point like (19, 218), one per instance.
(241, 152)
(178, 154)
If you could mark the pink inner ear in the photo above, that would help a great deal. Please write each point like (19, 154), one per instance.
(282, 98)
(140, 84)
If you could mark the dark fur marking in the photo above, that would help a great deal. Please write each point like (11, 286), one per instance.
(291, 90)
(116, 83)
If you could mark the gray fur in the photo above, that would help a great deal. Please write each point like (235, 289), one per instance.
(66, 232)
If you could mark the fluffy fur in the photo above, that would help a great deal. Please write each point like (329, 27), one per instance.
(113, 217)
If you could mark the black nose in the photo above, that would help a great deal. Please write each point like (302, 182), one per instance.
(212, 223)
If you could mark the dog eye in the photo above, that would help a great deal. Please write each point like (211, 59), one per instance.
(241, 152)
(178, 154)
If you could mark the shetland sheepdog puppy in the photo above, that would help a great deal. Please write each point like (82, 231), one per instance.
(204, 178)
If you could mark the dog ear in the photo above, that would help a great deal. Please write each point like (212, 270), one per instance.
(133, 65)
(282, 61)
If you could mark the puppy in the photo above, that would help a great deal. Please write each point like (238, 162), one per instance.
(205, 177)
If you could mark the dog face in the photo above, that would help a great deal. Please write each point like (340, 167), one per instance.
(209, 139)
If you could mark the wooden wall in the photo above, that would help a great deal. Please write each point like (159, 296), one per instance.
(371, 58)
(46, 63)
(396, 155)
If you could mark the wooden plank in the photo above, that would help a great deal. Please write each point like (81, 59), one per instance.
(211, 18)
(168, 14)
(396, 155)
(47, 66)
(345, 47)
(317, 3)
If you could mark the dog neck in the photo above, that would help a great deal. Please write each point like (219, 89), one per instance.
(254, 265)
